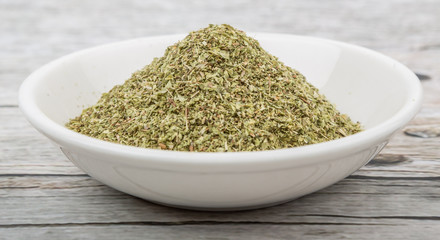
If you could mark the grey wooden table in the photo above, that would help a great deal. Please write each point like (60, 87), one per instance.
(43, 196)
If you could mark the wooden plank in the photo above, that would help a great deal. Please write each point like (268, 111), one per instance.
(23, 150)
(81, 200)
(33, 40)
(427, 230)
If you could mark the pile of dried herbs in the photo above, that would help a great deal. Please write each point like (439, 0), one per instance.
(216, 90)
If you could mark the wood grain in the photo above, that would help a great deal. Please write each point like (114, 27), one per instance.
(80, 200)
(419, 230)
(44, 196)
(39, 31)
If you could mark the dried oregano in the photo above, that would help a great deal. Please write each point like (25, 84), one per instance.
(216, 90)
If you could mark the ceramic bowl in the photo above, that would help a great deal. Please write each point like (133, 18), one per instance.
(371, 88)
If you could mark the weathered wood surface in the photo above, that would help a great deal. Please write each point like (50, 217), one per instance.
(43, 196)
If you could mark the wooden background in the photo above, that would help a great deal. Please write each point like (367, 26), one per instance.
(43, 196)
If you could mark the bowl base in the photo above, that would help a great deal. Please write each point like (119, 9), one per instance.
(223, 209)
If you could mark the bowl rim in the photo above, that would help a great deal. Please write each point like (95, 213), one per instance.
(336, 148)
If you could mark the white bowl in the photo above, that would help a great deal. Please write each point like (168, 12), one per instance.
(371, 88)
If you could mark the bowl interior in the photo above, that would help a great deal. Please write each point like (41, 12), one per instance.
(365, 85)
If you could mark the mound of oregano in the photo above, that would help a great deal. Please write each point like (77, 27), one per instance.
(216, 90)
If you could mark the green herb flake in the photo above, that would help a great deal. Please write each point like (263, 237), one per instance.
(216, 90)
